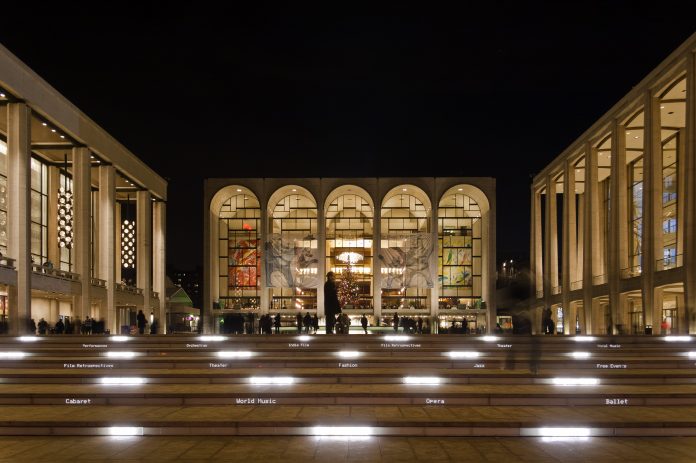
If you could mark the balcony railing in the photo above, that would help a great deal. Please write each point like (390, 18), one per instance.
(670, 262)
(599, 280)
(575, 285)
(540, 293)
(97, 282)
(55, 272)
(557, 290)
(128, 289)
(7, 262)
(631, 272)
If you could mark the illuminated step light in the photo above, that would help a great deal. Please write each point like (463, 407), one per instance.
(132, 381)
(580, 355)
(427, 380)
(212, 338)
(584, 338)
(121, 355)
(275, 380)
(12, 355)
(234, 354)
(575, 381)
(304, 338)
(349, 354)
(490, 338)
(119, 338)
(396, 338)
(342, 431)
(464, 355)
(692, 355)
(677, 338)
(125, 431)
(29, 338)
(562, 432)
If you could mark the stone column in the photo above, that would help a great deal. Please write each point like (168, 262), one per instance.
(551, 242)
(321, 250)
(19, 213)
(159, 261)
(117, 241)
(689, 222)
(591, 257)
(376, 262)
(143, 244)
(82, 221)
(435, 289)
(52, 219)
(569, 256)
(618, 224)
(264, 299)
(536, 251)
(108, 261)
(652, 211)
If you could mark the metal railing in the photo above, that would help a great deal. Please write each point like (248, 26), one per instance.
(97, 282)
(55, 272)
(557, 290)
(574, 285)
(669, 262)
(7, 262)
(128, 289)
(599, 280)
(631, 272)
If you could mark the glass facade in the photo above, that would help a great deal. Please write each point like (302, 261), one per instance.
(349, 243)
(39, 211)
(239, 252)
(459, 252)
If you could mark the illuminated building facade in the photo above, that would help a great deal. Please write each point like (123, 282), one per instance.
(82, 219)
(613, 244)
(416, 246)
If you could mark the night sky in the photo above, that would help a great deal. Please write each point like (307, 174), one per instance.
(488, 92)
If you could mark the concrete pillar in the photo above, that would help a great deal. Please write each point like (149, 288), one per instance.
(117, 242)
(143, 244)
(376, 262)
(263, 236)
(536, 251)
(580, 239)
(82, 221)
(159, 261)
(108, 261)
(551, 241)
(652, 211)
(488, 262)
(321, 250)
(435, 289)
(689, 222)
(19, 213)
(52, 219)
(569, 250)
(618, 223)
(591, 257)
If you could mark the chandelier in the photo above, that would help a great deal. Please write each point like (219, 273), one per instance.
(128, 241)
(65, 216)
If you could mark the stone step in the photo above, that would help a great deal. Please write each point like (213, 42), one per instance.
(322, 420)
(346, 394)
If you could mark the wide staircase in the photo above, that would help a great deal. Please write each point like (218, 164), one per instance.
(416, 385)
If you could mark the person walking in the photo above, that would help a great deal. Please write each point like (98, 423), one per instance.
(307, 322)
(315, 323)
(331, 304)
(276, 323)
(363, 322)
(299, 322)
(396, 322)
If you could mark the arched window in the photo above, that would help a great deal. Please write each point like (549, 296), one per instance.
(349, 220)
(239, 252)
(405, 251)
(459, 252)
(292, 252)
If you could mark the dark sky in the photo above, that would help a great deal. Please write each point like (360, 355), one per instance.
(496, 91)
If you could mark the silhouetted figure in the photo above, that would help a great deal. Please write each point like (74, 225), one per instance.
(43, 325)
(332, 306)
(307, 322)
(396, 322)
(363, 322)
(277, 323)
(299, 322)
(142, 321)
(315, 323)
(60, 327)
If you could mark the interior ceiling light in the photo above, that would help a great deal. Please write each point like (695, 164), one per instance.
(239, 190)
(65, 215)
(44, 124)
